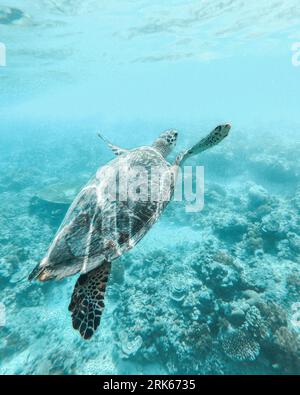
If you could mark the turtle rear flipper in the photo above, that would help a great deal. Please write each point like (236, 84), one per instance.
(87, 302)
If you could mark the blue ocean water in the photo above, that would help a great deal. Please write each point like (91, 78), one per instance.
(213, 292)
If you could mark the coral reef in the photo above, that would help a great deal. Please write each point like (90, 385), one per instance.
(205, 293)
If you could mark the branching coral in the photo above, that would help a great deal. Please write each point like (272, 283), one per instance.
(239, 345)
(255, 324)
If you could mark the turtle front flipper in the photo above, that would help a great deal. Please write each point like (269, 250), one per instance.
(212, 139)
(115, 148)
(87, 302)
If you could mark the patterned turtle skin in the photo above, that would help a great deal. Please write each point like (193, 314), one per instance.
(109, 216)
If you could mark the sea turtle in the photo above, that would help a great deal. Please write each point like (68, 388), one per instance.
(100, 226)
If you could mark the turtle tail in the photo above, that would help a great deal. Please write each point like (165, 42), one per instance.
(35, 273)
(41, 273)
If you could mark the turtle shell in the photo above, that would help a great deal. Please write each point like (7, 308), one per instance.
(111, 213)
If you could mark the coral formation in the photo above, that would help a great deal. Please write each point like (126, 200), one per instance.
(239, 346)
(205, 293)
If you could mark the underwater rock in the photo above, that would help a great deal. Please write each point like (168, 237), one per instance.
(255, 216)
(177, 293)
(117, 273)
(57, 362)
(214, 194)
(235, 312)
(223, 257)
(252, 240)
(29, 295)
(199, 337)
(251, 281)
(271, 167)
(296, 199)
(223, 279)
(13, 342)
(13, 182)
(222, 163)
(272, 226)
(251, 296)
(289, 248)
(257, 196)
(131, 347)
(206, 300)
(237, 317)
(294, 242)
(199, 302)
(230, 228)
(8, 266)
(293, 284)
(286, 350)
(178, 290)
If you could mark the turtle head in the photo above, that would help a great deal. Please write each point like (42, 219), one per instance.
(166, 142)
(221, 131)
